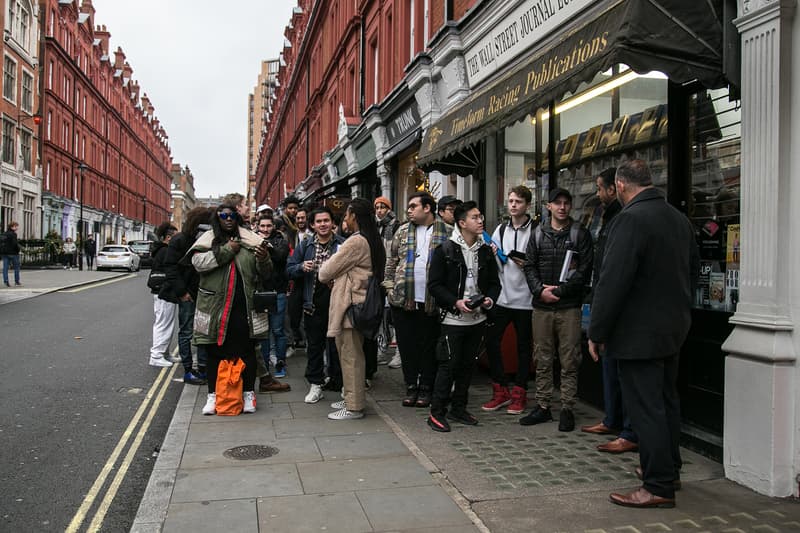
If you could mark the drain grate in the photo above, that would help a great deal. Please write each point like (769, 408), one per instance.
(250, 452)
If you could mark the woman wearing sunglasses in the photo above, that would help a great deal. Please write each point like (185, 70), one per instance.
(233, 263)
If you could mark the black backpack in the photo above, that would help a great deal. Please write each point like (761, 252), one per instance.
(366, 317)
(5, 245)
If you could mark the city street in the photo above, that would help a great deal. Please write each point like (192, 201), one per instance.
(83, 414)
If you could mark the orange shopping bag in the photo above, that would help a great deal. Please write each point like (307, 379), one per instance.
(229, 387)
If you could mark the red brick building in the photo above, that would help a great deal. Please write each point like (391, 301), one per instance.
(342, 86)
(101, 144)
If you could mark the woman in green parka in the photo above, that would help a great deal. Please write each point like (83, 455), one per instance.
(233, 263)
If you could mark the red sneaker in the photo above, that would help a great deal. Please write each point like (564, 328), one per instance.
(518, 401)
(500, 398)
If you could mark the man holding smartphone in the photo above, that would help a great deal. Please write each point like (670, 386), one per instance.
(463, 280)
(513, 307)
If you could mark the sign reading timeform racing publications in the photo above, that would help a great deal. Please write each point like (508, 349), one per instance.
(519, 30)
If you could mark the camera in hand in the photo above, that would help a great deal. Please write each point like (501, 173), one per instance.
(475, 301)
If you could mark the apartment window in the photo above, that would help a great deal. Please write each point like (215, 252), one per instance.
(8, 141)
(426, 22)
(25, 149)
(19, 21)
(9, 78)
(28, 203)
(47, 175)
(77, 144)
(375, 71)
(27, 92)
(49, 124)
(7, 207)
(50, 76)
(50, 23)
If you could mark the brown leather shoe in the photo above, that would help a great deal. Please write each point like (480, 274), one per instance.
(676, 484)
(618, 445)
(641, 498)
(599, 429)
(269, 384)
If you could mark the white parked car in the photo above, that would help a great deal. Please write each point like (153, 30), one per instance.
(117, 256)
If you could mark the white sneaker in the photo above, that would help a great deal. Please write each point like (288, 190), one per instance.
(249, 402)
(338, 405)
(344, 414)
(396, 362)
(289, 352)
(314, 394)
(175, 358)
(210, 408)
(160, 361)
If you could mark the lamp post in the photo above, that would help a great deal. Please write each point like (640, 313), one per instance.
(81, 168)
(144, 218)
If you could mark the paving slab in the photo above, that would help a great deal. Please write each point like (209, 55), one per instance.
(212, 454)
(703, 506)
(213, 516)
(244, 431)
(411, 508)
(361, 446)
(331, 513)
(316, 427)
(232, 483)
(362, 474)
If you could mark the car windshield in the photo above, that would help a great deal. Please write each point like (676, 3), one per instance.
(140, 246)
(115, 249)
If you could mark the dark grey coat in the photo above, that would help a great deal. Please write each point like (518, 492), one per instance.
(643, 297)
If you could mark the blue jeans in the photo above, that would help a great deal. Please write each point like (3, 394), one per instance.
(616, 417)
(13, 260)
(185, 331)
(277, 334)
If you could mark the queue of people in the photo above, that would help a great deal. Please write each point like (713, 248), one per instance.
(451, 289)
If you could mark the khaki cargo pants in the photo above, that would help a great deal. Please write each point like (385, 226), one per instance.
(560, 328)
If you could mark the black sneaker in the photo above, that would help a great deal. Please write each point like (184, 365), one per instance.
(566, 420)
(537, 416)
(438, 424)
(463, 417)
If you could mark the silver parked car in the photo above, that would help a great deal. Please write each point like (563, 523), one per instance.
(117, 256)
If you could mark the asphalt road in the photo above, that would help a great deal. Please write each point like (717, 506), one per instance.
(75, 374)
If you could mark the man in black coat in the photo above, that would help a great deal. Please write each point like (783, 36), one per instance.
(463, 280)
(641, 315)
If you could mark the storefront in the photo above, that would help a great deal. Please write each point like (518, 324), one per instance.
(555, 92)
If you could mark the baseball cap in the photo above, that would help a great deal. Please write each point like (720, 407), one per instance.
(558, 191)
(444, 201)
(263, 207)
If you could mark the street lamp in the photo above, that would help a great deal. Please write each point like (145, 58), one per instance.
(144, 218)
(81, 167)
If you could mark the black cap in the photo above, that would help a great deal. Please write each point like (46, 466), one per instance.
(444, 201)
(558, 191)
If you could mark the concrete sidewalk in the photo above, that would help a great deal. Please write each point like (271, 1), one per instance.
(288, 468)
(38, 282)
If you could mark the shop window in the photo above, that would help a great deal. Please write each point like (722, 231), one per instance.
(714, 202)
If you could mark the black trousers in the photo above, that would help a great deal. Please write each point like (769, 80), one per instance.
(370, 347)
(522, 320)
(416, 334)
(316, 326)
(456, 352)
(294, 309)
(651, 399)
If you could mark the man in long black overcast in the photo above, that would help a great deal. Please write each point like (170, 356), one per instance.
(641, 315)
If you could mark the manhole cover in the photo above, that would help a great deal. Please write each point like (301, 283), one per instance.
(251, 452)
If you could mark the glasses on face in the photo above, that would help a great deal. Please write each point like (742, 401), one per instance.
(226, 216)
(477, 218)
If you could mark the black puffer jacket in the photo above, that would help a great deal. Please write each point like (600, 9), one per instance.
(158, 251)
(279, 254)
(447, 275)
(609, 213)
(543, 265)
(182, 278)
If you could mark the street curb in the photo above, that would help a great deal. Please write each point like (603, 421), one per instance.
(50, 290)
(153, 507)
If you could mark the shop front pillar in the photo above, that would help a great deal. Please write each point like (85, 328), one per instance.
(761, 437)
(385, 178)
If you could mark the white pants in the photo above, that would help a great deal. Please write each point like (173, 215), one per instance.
(163, 326)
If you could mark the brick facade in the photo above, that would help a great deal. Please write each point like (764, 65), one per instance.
(94, 113)
(323, 71)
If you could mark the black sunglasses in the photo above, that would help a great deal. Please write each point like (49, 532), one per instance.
(227, 216)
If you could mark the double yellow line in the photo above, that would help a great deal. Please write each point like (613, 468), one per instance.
(155, 393)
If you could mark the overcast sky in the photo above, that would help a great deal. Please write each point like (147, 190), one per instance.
(198, 60)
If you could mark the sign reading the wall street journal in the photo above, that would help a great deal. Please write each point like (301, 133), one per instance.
(528, 24)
